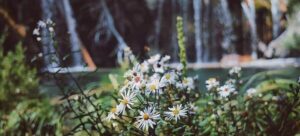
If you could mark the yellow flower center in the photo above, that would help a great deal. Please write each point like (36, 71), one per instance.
(153, 87)
(168, 76)
(113, 110)
(211, 79)
(124, 101)
(146, 116)
(175, 111)
(185, 81)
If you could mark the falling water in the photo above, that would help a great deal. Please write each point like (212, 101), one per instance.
(174, 43)
(158, 23)
(207, 30)
(250, 14)
(74, 39)
(276, 14)
(50, 58)
(227, 21)
(198, 30)
(111, 26)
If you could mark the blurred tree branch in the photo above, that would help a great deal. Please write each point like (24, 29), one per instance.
(18, 28)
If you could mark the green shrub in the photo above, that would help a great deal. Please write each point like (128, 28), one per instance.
(22, 112)
(32, 117)
(16, 78)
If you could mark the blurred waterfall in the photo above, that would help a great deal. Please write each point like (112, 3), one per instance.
(111, 26)
(185, 19)
(51, 59)
(227, 21)
(249, 11)
(276, 15)
(174, 42)
(77, 60)
(207, 30)
(158, 23)
(198, 29)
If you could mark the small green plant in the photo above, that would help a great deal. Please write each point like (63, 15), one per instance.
(32, 117)
(16, 78)
(181, 40)
(22, 112)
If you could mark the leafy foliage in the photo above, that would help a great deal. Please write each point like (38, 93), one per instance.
(268, 109)
(22, 112)
(293, 6)
(32, 117)
(16, 78)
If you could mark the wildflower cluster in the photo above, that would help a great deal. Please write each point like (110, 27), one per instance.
(222, 105)
(156, 99)
(155, 95)
(228, 110)
(47, 26)
(229, 89)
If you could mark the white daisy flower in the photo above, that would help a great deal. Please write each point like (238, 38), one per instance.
(176, 112)
(188, 83)
(252, 91)
(147, 118)
(153, 86)
(49, 21)
(192, 108)
(127, 73)
(235, 70)
(179, 85)
(51, 29)
(127, 101)
(41, 24)
(36, 31)
(155, 76)
(231, 81)
(112, 114)
(40, 54)
(138, 81)
(158, 67)
(130, 74)
(212, 83)
(226, 90)
(165, 58)
(154, 59)
(144, 67)
(38, 38)
(169, 78)
(179, 67)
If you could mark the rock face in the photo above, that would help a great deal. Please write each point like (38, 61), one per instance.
(278, 47)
